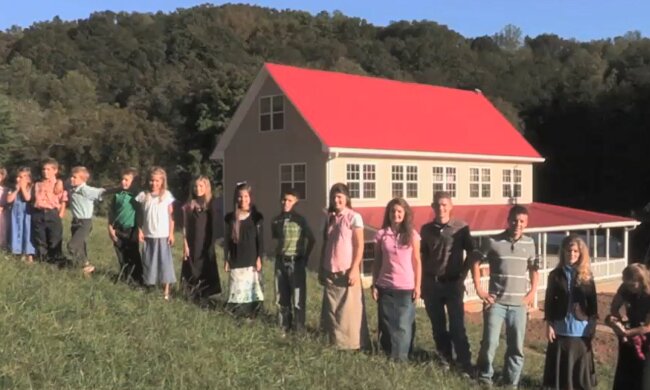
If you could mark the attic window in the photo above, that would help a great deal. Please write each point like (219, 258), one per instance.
(512, 183)
(271, 113)
(479, 183)
(444, 179)
(404, 185)
(361, 180)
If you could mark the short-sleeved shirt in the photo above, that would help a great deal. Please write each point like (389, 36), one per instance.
(292, 232)
(338, 248)
(124, 210)
(155, 213)
(396, 270)
(442, 249)
(82, 200)
(510, 261)
(45, 198)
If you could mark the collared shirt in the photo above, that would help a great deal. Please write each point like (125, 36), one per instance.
(338, 248)
(510, 261)
(442, 249)
(82, 200)
(45, 198)
(124, 210)
(396, 270)
(292, 232)
(570, 325)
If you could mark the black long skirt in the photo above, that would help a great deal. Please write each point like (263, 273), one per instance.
(570, 364)
(632, 373)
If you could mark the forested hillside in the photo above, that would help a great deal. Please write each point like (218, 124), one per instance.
(135, 89)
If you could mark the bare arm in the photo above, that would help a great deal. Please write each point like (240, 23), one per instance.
(417, 269)
(170, 211)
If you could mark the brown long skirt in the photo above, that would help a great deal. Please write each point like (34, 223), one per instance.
(570, 364)
(343, 315)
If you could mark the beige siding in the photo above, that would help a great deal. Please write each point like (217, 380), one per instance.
(425, 179)
(256, 156)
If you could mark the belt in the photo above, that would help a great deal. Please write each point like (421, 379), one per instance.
(446, 279)
(45, 211)
(288, 259)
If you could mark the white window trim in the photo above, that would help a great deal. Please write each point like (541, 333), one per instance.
(259, 113)
(405, 181)
(293, 181)
(444, 181)
(512, 182)
(480, 182)
(361, 181)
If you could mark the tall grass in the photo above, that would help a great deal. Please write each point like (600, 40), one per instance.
(59, 329)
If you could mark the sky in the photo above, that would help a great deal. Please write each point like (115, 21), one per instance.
(580, 19)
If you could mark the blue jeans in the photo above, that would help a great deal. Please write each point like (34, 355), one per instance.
(396, 322)
(436, 296)
(493, 318)
(291, 293)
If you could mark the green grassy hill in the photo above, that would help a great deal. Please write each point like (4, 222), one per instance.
(62, 330)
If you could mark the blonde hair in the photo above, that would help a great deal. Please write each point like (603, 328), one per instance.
(638, 273)
(208, 192)
(582, 266)
(158, 171)
(82, 170)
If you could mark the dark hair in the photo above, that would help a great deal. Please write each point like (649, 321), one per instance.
(441, 195)
(339, 188)
(241, 186)
(130, 171)
(405, 232)
(517, 210)
(292, 192)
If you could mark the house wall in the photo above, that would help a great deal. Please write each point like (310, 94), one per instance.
(383, 181)
(256, 156)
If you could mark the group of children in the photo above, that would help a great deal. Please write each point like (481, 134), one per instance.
(141, 228)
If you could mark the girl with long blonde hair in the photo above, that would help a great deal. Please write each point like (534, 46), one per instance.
(570, 311)
(156, 231)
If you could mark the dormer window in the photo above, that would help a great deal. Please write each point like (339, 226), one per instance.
(271, 113)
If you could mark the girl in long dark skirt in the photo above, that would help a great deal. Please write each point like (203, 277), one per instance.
(243, 252)
(202, 226)
(571, 311)
(633, 330)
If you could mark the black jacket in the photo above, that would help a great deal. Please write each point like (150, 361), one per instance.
(556, 304)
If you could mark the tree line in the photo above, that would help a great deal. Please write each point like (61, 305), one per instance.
(132, 89)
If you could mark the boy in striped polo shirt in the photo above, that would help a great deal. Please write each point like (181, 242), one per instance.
(513, 260)
(295, 243)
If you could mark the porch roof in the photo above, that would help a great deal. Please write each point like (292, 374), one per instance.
(491, 219)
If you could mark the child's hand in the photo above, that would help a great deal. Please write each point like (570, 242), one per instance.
(170, 240)
(258, 264)
(186, 252)
(111, 234)
(226, 266)
(140, 235)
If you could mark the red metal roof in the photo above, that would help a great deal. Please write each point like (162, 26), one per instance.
(351, 111)
(541, 216)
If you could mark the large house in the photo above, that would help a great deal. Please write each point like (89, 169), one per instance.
(308, 129)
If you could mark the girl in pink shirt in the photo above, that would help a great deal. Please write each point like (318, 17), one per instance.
(396, 274)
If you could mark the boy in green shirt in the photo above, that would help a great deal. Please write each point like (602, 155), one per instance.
(123, 230)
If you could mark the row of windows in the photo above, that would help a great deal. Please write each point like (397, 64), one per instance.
(404, 181)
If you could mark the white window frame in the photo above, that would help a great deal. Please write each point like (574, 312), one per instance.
(405, 180)
(445, 180)
(271, 113)
(511, 184)
(363, 179)
(480, 182)
(293, 180)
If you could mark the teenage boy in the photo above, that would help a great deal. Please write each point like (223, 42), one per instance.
(295, 243)
(445, 243)
(50, 200)
(82, 206)
(512, 257)
(123, 229)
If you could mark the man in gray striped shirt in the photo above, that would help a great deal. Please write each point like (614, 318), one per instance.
(513, 261)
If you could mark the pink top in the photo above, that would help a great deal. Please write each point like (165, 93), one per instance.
(44, 197)
(397, 261)
(338, 249)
